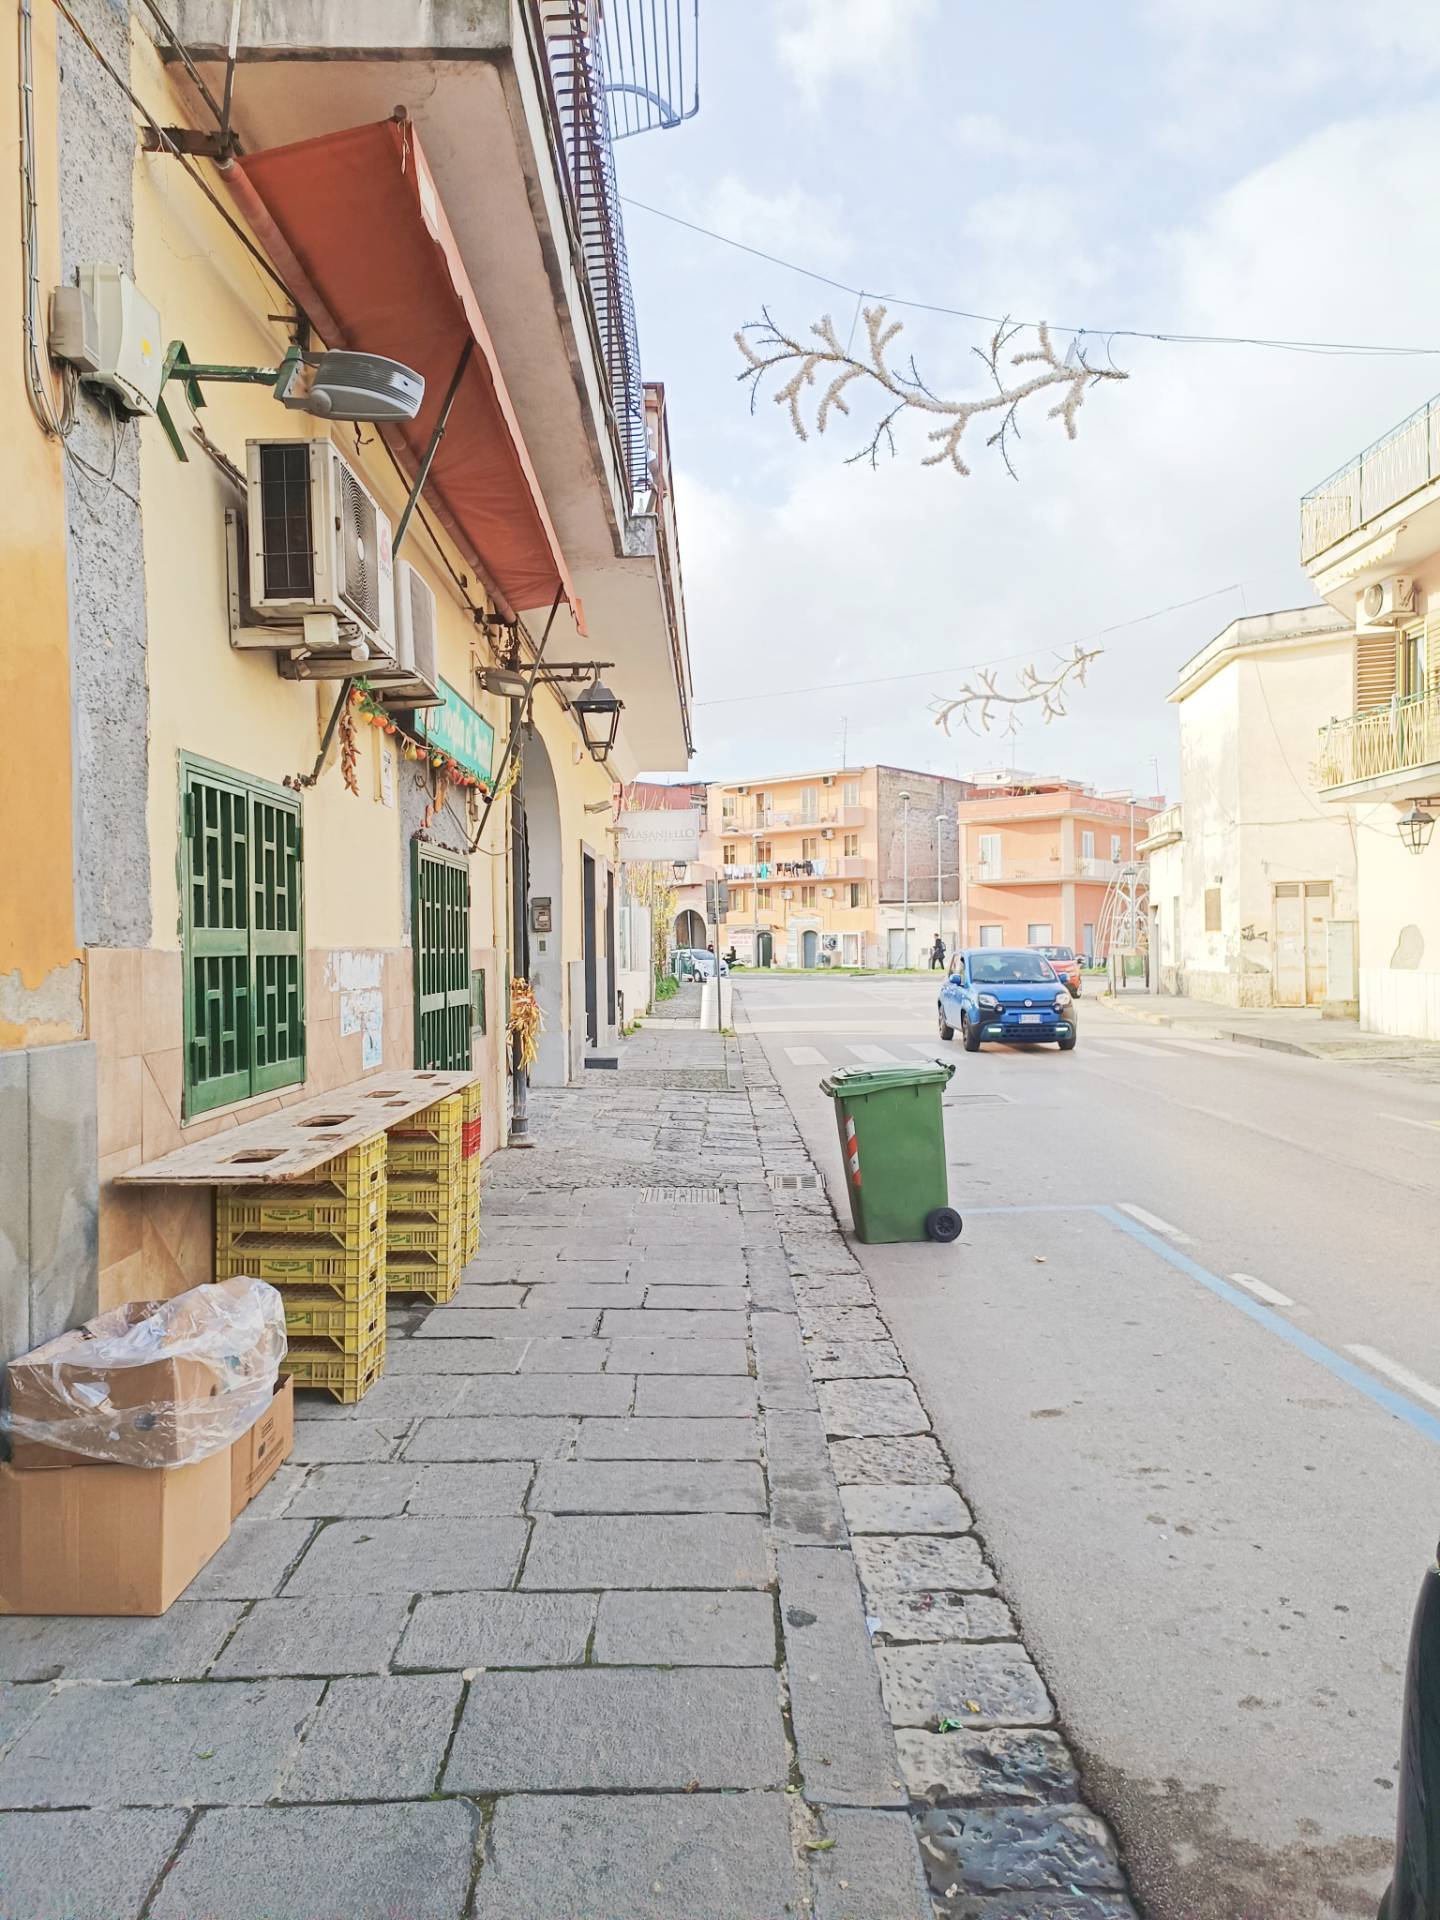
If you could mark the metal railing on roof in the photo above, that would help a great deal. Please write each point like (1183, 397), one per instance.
(652, 63)
(1396, 465)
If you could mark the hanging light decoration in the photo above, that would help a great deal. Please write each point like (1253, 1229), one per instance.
(599, 713)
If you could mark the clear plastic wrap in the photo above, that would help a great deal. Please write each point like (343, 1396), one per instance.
(157, 1383)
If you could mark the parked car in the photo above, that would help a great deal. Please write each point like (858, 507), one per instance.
(1010, 994)
(695, 963)
(1066, 963)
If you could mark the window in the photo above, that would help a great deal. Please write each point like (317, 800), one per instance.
(1088, 930)
(807, 803)
(729, 852)
(857, 893)
(809, 847)
(243, 937)
(992, 936)
(1115, 847)
(807, 896)
(762, 851)
(852, 846)
(1038, 933)
(1087, 845)
(1412, 663)
(738, 898)
(727, 806)
(1175, 931)
(850, 792)
(1212, 910)
(989, 856)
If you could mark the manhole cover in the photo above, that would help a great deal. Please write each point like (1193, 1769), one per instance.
(680, 1196)
(795, 1182)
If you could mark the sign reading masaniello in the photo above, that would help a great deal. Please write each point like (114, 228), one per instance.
(457, 729)
(660, 833)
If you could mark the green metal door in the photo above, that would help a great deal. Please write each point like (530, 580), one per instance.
(440, 899)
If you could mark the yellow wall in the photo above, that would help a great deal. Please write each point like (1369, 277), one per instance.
(37, 909)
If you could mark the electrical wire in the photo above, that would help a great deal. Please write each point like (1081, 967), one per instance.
(1169, 337)
(968, 666)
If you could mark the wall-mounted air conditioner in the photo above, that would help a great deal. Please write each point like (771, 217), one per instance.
(828, 892)
(827, 833)
(827, 779)
(1386, 603)
(414, 681)
(319, 554)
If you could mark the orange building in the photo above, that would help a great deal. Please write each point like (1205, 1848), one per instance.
(1037, 857)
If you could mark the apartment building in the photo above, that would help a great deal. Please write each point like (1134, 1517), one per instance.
(1370, 542)
(1251, 875)
(820, 865)
(272, 830)
(1038, 856)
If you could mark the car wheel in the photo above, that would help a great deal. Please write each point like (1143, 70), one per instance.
(943, 1224)
(970, 1035)
(947, 1032)
(1067, 1045)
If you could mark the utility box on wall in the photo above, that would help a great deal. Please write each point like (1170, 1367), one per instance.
(1342, 972)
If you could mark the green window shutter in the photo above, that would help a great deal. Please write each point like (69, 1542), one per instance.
(243, 934)
(440, 911)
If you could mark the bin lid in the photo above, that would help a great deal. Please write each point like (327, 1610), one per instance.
(853, 1080)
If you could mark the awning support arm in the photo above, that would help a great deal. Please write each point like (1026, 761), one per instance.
(521, 710)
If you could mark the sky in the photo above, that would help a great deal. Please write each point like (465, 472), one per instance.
(1262, 168)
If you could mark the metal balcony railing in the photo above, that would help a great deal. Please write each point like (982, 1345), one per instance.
(1400, 738)
(652, 63)
(1001, 873)
(1398, 464)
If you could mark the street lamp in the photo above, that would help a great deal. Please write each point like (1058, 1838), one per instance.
(680, 868)
(1416, 828)
(599, 714)
(905, 868)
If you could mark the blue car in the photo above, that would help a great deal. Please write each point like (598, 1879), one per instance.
(1007, 994)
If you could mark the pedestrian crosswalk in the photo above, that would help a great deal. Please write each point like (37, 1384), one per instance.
(863, 1054)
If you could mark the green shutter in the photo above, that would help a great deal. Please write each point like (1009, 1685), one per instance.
(440, 911)
(242, 928)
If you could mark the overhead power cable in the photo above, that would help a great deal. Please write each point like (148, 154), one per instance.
(1169, 337)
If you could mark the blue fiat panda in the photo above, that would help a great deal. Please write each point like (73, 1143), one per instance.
(1007, 994)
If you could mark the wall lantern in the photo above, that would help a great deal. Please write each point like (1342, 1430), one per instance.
(599, 713)
(1416, 827)
(680, 868)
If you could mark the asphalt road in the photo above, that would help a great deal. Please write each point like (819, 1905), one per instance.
(1186, 1360)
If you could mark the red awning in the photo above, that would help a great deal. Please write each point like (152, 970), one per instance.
(356, 219)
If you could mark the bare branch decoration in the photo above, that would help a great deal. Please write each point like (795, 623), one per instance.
(983, 706)
(767, 348)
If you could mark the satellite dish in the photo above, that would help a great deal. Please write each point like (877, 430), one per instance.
(340, 385)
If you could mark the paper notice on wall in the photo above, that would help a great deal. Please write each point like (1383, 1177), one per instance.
(372, 1038)
(387, 774)
(361, 1008)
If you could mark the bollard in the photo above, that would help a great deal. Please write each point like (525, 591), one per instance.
(1414, 1891)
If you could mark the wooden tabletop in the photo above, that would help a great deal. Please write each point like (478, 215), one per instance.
(294, 1142)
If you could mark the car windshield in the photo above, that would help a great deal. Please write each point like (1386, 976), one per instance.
(1056, 953)
(999, 969)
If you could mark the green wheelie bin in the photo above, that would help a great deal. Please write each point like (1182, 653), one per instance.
(892, 1141)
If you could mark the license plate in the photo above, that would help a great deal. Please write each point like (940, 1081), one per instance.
(1031, 1019)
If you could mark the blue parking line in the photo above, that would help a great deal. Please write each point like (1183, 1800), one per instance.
(1386, 1398)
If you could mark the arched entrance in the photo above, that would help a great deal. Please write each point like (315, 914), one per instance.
(809, 948)
(546, 901)
(689, 929)
(764, 950)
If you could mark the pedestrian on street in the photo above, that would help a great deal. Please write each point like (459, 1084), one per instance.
(937, 952)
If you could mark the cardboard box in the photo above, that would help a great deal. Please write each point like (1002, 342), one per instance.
(259, 1453)
(106, 1539)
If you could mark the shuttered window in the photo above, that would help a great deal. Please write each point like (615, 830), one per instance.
(440, 898)
(1212, 910)
(1374, 670)
(243, 933)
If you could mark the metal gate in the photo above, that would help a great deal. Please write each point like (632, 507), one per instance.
(1302, 915)
(440, 907)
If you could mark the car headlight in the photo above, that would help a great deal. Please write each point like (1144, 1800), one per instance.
(987, 1003)
(1062, 1000)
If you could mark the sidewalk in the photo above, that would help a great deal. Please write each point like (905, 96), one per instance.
(563, 1622)
(1300, 1030)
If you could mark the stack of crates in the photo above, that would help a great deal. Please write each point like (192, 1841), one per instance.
(425, 1231)
(470, 1153)
(322, 1244)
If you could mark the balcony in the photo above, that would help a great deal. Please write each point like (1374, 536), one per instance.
(1163, 830)
(1392, 752)
(989, 873)
(1394, 468)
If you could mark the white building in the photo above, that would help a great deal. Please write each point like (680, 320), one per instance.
(1252, 875)
(1370, 541)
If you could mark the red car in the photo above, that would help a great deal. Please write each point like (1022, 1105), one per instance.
(1065, 963)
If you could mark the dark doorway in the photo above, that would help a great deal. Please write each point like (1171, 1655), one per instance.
(610, 949)
(764, 950)
(587, 934)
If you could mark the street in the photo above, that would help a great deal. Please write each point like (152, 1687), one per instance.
(1185, 1362)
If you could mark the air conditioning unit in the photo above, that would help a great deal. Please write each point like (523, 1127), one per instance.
(1386, 603)
(829, 892)
(827, 779)
(319, 551)
(414, 680)
(827, 833)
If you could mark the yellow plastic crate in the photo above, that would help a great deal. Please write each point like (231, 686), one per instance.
(347, 1376)
(422, 1233)
(290, 1259)
(350, 1218)
(439, 1284)
(444, 1121)
(361, 1168)
(474, 1098)
(314, 1313)
(440, 1159)
(441, 1200)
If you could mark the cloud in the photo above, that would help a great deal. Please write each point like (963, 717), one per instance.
(787, 221)
(875, 41)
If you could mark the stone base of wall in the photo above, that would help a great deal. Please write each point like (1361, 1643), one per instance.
(1251, 990)
(1402, 1000)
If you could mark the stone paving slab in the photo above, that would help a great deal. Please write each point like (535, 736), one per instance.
(619, 1729)
(202, 1741)
(83, 1865)
(656, 1857)
(546, 1395)
(866, 1408)
(394, 1400)
(321, 1441)
(843, 1738)
(651, 1323)
(332, 1633)
(18, 1707)
(180, 1645)
(715, 1397)
(785, 1383)
(679, 1356)
(569, 1356)
(988, 1767)
(804, 1500)
(646, 1550)
(686, 1629)
(673, 1439)
(698, 1299)
(467, 1490)
(380, 1738)
(902, 1509)
(922, 1615)
(481, 1323)
(873, 1871)
(411, 1556)
(910, 1459)
(459, 1356)
(577, 1296)
(975, 1685)
(649, 1486)
(353, 1490)
(842, 1323)
(916, 1562)
(459, 1630)
(1021, 1850)
(254, 1561)
(497, 1437)
(854, 1360)
(398, 1862)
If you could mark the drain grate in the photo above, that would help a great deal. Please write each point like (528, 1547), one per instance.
(795, 1182)
(680, 1196)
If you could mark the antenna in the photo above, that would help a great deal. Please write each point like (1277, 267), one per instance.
(844, 743)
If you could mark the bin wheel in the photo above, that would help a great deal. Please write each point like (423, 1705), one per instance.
(943, 1224)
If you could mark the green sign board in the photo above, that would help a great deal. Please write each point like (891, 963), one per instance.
(457, 729)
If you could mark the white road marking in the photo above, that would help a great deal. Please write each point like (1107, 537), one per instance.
(933, 1051)
(1261, 1291)
(1402, 1376)
(1431, 1126)
(1154, 1222)
(805, 1057)
(1151, 1052)
(1092, 1052)
(875, 1056)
